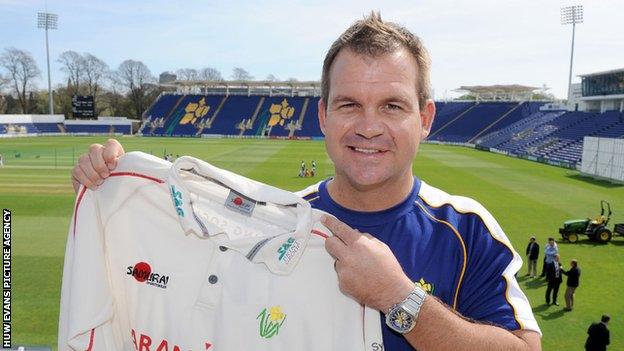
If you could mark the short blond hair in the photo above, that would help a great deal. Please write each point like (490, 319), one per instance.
(374, 37)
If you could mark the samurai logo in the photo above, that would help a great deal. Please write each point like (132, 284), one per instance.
(271, 322)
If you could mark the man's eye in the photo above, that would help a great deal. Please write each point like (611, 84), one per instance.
(393, 107)
(347, 105)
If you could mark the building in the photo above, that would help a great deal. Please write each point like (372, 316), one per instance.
(599, 92)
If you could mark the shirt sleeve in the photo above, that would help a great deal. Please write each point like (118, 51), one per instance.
(489, 291)
(86, 309)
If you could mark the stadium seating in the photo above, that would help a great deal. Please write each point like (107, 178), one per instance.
(234, 111)
(47, 127)
(515, 127)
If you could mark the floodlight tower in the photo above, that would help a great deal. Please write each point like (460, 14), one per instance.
(571, 15)
(48, 21)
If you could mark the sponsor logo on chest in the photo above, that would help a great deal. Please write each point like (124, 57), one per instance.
(144, 342)
(288, 250)
(142, 273)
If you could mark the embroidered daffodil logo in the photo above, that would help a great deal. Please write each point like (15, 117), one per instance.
(427, 287)
(271, 321)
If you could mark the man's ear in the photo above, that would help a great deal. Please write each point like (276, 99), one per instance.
(427, 115)
(322, 114)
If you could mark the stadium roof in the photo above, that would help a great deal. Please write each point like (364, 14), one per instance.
(603, 72)
(512, 92)
(237, 87)
(489, 89)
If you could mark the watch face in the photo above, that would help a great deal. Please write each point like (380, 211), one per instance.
(400, 320)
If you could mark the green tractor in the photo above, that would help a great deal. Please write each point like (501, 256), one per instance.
(596, 229)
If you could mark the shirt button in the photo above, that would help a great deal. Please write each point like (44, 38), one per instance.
(213, 279)
(223, 248)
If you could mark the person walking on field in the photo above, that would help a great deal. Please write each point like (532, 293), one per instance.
(532, 253)
(572, 283)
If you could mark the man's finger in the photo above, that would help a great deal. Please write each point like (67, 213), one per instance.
(112, 151)
(97, 161)
(81, 177)
(93, 176)
(347, 234)
(335, 247)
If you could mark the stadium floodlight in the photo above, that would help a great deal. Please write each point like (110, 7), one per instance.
(48, 21)
(571, 15)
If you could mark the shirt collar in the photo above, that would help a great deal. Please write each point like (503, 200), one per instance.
(280, 252)
(363, 219)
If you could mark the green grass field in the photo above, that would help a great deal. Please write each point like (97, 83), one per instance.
(526, 198)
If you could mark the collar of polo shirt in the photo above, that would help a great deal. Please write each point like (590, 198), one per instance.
(190, 180)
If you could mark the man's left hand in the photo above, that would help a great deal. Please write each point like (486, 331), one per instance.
(367, 269)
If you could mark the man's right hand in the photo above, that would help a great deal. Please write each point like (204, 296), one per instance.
(95, 165)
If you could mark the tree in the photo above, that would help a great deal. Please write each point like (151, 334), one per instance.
(95, 73)
(22, 69)
(136, 79)
(271, 78)
(241, 74)
(4, 82)
(187, 74)
(212, 74)
(73, 65)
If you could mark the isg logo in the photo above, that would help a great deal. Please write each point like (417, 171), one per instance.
(142, 273)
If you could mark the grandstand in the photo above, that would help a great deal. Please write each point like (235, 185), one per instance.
(196, 115)
(501, 118)
(30, 125)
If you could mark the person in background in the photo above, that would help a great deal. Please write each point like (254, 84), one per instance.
(572, 283)
(599, 337)
(553, 276)
(550, 252)
(302, 169)
(532, 253)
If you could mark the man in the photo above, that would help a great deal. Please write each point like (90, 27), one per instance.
(302, 169)
(553, 276)
(431, 263)
(572, 283)
(532, 253)
(598, 338)
(550, 252)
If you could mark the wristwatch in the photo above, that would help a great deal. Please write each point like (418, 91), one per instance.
(402, 316)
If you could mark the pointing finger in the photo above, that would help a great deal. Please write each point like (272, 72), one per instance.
(347, 234)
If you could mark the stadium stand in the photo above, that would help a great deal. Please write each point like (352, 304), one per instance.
(518, 128)
(468, 125)
(234, 111)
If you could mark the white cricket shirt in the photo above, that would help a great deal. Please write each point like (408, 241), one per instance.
(190, 257)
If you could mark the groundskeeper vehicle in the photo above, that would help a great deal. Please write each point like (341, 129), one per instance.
(595, 228)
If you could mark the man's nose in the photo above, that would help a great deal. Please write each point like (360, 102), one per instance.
(370, 124)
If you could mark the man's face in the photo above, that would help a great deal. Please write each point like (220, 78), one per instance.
(373, 123)
(551, 242)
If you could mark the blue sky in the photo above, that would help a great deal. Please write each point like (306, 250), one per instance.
(477, 42)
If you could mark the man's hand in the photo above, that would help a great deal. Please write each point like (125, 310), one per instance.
(367, 269)
(95, 166)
